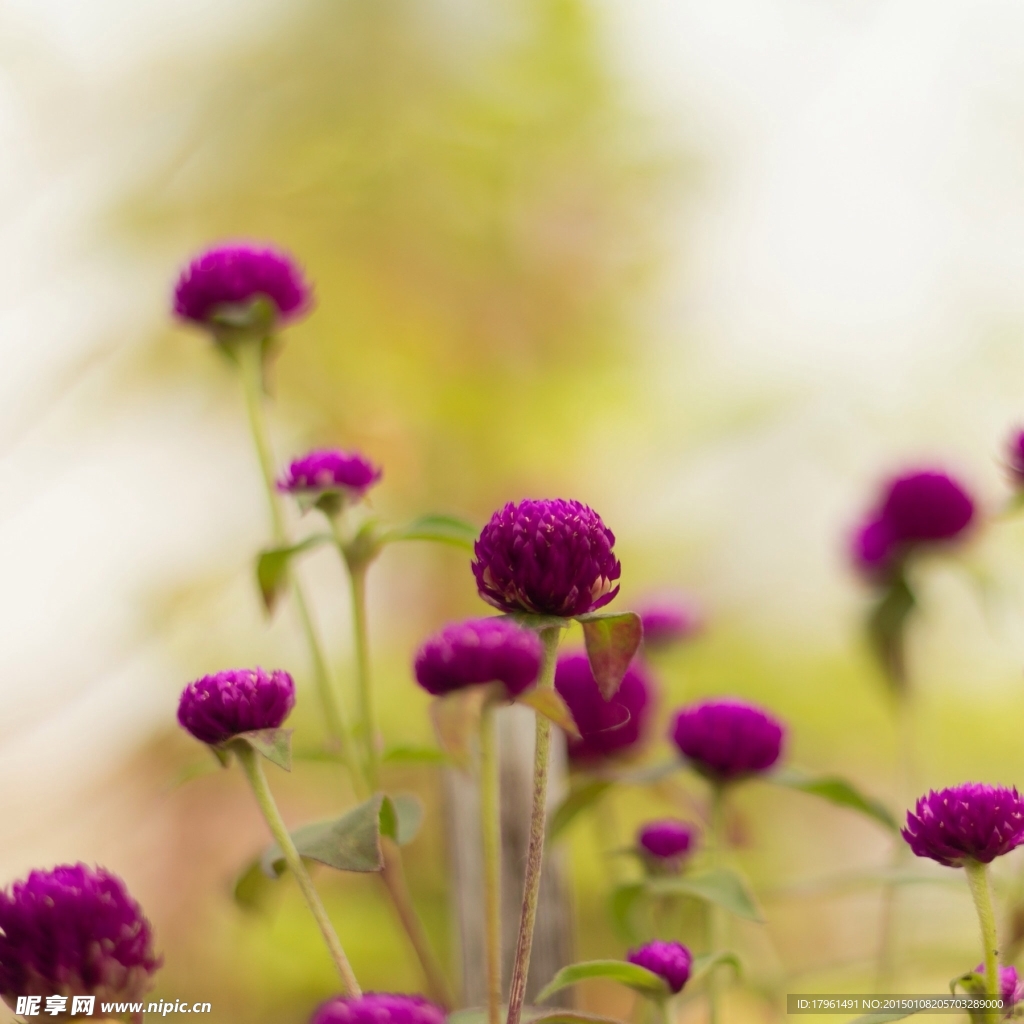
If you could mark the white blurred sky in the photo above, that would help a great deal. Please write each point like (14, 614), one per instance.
(854, 254)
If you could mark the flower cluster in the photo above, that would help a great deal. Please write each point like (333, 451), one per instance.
(671, 961)
(727, 740)
(74, 930)
(219, 706)
(479, 651)
(918, 508)
(379, 1008)
(547, 558)
(964, 823)
(607, 728)
(330, 470)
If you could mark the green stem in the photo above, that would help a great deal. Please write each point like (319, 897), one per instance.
(535, 850)
(367, 705)
(253, 769)
(715, 912)
(490, 825)
(977, 879)
(250, 360)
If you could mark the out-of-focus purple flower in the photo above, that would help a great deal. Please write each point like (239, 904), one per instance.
(665, 843)
(479, 651)
(607, 727)
(728, 739)
(667, 621)
(967, 822)
(328, 470)
(1015, 457)
(235, 274)
(72, 931)
(669, 960)
(1011, 987)
(222, 705)
(379, 1008)
(549, 557)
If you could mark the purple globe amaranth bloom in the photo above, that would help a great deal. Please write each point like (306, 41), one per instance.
(72, 931)
(607, 727)
(379, 1008)
(222, 705)
(667, 622)
(479, 651)
(967, 822)
(549, 557)
(236, 274)
(1015, 457)
(727, 740)
(327, 470)
(671, 961)
(665, 843)
(1011, 987)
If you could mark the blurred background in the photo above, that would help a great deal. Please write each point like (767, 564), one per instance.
(715, 268)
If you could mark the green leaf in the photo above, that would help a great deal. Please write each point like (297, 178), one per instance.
(573, 1017)
(632, 975)
(274, 744)
(622, 906)
(348, 843)
(252, 888)
(611, 642)
(580, 798)
(837, 791)
(413, 755)
(440, 528)
(721, 886)
(400, 817)
(703, 965)
(887, 629)
(272, 566)
(549, 703)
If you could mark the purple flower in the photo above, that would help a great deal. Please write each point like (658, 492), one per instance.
(546, 557)
(967, 822)
(669, 960)
(728, 739)
(1015, 457)
(479, 651)
(236, 274)
(72, 931)
(667, 622)
(1011, 987)
(328, 470)
(607, 727)
(379, 1008)
(665, 842)
(220, 706)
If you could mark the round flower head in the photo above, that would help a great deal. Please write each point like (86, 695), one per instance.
(607, 727)
(667, 622)
(379, 1008)
(235, 275)
(479, 651)
(967, 822)
(546, 557)
(1015, 457)
(728, 739)
(1011, 987)
(664, 843)
(330, 471)
(669, 960)
(220, 706)
(927, 506)
(72, 931)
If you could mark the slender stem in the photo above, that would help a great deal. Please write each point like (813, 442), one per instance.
(535, 849)
(253, 769)
(250, 361)
(715, 912)
(977, 879)
(393, 876)
(367, 705)
(490, 827)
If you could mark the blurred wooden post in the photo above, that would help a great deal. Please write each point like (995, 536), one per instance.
(552, 947)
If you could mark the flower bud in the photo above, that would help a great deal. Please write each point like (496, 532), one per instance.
(671, 961)
(330, 474)
(665, 844)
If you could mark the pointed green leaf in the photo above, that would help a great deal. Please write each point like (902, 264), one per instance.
(886, 627)
(272, 566)
(252, 888)
(721, 886)
(413, 755)
(400, 817)
(348, 843)
(549, 703)
(440, 528)
(274, 744)
(632, 975)
(579, 799)
(703, 965)
(611, 642)
(836, 790)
